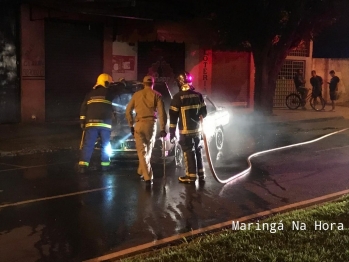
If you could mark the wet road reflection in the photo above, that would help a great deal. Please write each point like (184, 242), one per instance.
(91, 224)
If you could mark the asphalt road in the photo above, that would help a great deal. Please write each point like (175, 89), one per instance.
(50, 213)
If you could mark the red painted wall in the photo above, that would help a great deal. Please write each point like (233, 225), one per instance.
(231, 76)
(32, 67)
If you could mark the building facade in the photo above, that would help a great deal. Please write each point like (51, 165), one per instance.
(53, 59)
(299, 58)
(58, 56)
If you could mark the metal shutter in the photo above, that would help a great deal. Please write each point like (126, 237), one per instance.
(9, 82)
(73, 61)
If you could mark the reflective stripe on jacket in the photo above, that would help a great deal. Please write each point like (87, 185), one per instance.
(97, 109)
(186, 108)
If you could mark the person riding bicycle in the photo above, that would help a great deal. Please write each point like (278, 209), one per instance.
(299, 83)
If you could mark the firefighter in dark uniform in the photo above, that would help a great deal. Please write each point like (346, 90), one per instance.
(96, 118)
(186, 107)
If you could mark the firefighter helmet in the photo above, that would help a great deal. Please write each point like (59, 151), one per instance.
(183, 79)
(104, 80)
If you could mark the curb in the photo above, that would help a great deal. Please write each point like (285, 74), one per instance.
(158, 244)
(249, 120)
(24, 152)
(6, 153)
(238, 121)
(310, 120)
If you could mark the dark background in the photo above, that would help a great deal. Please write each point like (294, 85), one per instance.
(333, 42)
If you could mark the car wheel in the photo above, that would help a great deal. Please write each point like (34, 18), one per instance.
(219, 138)
(178, 156)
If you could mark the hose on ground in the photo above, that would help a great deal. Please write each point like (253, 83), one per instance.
(247, 170)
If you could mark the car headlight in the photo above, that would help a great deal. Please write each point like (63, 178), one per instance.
(209, 126)
(109, 150)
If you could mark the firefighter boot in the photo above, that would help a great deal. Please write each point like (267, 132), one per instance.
(202, 178)
(187, 179)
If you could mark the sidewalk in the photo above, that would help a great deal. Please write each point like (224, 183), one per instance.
(284, 115)
(20, 139)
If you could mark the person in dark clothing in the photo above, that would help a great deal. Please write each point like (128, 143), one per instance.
(316, 82)
(96, 115)
(299, 83)
(333, 89)
(186, 108)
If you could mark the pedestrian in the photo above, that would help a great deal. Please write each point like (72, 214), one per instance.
(96, 115)
(333, 85)
(186, 108)
(148, 106)
(316, 82)
(299, 83)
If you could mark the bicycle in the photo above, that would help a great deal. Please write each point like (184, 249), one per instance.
(294, 100)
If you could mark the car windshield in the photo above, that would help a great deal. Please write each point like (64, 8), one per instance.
(162, 88)
(121, 101)
(209, 105)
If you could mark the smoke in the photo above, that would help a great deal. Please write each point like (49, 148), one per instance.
(247, 133)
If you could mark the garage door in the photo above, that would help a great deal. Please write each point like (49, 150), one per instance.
(73, 60)
(9, 84)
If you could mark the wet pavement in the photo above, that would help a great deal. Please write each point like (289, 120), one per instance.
(50, 213)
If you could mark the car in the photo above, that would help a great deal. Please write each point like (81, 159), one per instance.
(122, 144)
(214, 125)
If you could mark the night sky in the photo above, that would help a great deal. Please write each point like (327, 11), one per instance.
(334, 41)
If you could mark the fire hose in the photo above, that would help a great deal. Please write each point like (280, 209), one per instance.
(247, 170)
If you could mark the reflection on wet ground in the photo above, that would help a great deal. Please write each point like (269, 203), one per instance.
(121, 213)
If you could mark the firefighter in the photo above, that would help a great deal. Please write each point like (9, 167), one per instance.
(96, 115)
(186, 107)
(149, 107)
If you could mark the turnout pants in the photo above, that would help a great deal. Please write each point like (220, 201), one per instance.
(91, 135)
(192, 155)
(145, 131)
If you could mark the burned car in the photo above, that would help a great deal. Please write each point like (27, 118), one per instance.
(122, 143)
(215, 121)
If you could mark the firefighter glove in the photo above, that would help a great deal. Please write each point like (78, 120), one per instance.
(172, 137)
(132, 130)
(163, 133)
(82, 126)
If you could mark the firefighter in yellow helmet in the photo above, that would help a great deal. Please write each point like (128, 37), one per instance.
(149, 107)
(96, 115)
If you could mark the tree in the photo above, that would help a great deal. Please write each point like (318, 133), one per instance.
(269, 29)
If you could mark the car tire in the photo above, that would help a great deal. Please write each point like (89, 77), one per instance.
(178, 160)
(216, 144)
(219, 139)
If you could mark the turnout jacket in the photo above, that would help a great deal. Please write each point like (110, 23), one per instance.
(187, 106)
(148, 105)
(97, 109)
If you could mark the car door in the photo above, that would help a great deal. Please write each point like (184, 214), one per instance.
(210, 119)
